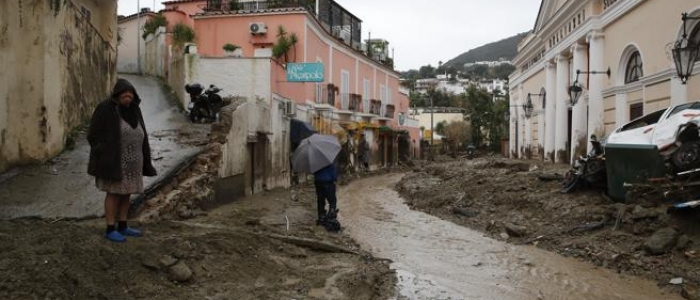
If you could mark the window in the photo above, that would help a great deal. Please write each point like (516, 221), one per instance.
(636, 111)
(319, 93)
(345, 89)
(695, 38)
(365, 104)
(634, 68)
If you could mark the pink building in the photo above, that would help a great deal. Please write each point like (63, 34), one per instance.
(358, 93)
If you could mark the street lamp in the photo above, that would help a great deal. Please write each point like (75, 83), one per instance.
(576, 88)
(685, 52)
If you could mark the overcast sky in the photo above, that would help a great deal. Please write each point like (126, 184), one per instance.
(427, 31)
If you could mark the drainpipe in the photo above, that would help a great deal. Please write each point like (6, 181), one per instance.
(138, 35)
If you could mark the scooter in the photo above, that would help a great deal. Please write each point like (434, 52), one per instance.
(588, 170)
(204, 107)
(471, 151)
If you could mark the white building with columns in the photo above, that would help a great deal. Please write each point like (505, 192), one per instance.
(631, 38)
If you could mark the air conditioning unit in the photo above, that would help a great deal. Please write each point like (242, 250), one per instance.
(258, 28)
(290, 108)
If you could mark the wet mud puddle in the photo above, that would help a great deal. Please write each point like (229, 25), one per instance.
(436, 259)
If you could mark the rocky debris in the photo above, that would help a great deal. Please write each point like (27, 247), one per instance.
(586, 225)
(180, 272)
(683, 242)
(690, 291)
(469, 213)
(167, 261)
(515, 230)
(641, 213)
(676, 281)
(661, 241)
(194, 186)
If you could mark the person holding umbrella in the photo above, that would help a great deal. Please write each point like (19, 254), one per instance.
(324, 181)
(317, 155)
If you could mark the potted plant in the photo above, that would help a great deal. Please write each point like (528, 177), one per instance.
(232, 50)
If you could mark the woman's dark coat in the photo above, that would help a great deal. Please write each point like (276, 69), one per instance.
(105, 136)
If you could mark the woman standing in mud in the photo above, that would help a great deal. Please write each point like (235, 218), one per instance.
(119, 156)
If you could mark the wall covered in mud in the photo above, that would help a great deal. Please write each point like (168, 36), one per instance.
(58, 61)
(256, 153)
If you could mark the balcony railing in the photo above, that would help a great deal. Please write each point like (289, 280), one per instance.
(335, 19)
(355, 103)
(228, 5)
(389, 111)
(325, 94)
(608, 3)
(375, 107)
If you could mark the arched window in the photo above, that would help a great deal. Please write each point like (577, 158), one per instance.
(634, 68)
(695, 38)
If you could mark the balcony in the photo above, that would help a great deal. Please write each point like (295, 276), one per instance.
(375, 107)
(389, 111)
(355, 103)
(608, 3)
(325, 95)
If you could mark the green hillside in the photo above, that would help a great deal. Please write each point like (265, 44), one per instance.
(506, 49)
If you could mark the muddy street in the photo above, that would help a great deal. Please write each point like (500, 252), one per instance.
(437, 259)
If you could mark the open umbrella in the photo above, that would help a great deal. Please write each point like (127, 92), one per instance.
(315, 153)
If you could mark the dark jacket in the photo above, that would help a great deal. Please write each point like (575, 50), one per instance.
(105, 137)
(327, 174)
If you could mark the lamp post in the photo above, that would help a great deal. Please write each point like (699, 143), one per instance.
(576, 88)
(685, 52)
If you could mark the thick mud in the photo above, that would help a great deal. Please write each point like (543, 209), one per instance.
(518, 202)
(240, 251)
(438, 259)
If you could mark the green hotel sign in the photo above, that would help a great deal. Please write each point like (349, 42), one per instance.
(305, 72)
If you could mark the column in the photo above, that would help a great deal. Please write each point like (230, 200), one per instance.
(596, 122)
(550, 111)
(579, 120)
(540, 130)
(512, 139)
(679, 91)
(621, 108)
(562, 110)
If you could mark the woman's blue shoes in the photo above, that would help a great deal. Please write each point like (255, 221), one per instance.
(116, 237)
(131, 232)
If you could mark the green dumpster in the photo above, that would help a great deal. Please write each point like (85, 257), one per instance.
(626, 163)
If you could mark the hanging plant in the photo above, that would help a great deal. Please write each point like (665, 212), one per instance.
(182, 34)
(284, 43)
(231, 47)
(153, 24)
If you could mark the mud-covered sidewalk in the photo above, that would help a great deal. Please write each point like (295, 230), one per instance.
(61, 187)
(516, 201)
(239, 251)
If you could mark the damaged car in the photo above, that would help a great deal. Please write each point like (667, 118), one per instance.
(674, 131)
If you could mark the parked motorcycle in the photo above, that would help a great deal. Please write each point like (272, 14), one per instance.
(471, 151)
(588, 171)
(205, 105)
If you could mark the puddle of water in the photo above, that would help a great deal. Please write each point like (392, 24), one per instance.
(436, 259)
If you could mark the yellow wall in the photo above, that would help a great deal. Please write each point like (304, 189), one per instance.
(60, 64)
(651, 27)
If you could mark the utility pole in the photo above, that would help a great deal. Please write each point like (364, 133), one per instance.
(431, 122)
(138, 35)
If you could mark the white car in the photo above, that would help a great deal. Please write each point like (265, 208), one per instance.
(674, 131)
